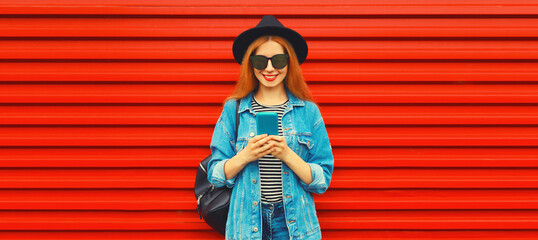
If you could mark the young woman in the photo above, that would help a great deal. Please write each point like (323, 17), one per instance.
(273, 177)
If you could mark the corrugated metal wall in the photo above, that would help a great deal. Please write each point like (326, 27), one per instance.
(106, 108)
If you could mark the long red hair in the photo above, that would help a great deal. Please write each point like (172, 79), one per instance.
(294, 80)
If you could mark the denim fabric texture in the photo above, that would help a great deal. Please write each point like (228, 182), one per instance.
(305, 133)
(274, 222)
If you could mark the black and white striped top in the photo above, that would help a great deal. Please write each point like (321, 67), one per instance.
(270, 166)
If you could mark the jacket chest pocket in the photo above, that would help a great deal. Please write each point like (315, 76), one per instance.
(304, 144)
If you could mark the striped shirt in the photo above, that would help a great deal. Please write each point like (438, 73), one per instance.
(270, 166)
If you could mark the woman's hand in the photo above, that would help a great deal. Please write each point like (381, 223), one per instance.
(280, 147)
(256, 148)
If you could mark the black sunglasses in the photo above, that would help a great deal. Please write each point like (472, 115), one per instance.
(278, 61)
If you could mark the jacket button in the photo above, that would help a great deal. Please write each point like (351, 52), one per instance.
(255, 229)
(254, 181)
(252, 134)
(255, 203)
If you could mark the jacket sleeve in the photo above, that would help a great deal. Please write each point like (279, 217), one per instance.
(222, 146)
(320, 157)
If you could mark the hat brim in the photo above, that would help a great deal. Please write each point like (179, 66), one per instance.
(243, 41)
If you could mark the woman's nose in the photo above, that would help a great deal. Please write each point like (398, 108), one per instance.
(269, 66)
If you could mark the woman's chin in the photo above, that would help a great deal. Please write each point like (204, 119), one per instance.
(271, 85)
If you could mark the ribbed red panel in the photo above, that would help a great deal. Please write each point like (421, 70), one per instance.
(107, 107)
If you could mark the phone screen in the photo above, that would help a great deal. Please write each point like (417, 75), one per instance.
(267, 122)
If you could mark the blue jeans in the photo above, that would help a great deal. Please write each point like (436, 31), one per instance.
(274, 222)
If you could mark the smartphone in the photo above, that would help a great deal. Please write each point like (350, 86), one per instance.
(267, 122)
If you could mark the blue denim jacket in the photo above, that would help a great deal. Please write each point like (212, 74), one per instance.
(305, 133)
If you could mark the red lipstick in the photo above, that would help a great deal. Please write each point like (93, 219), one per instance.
(270, 79)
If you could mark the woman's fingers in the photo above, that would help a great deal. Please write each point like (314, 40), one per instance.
(269, 151)
(265, 148)
(257, 138)
(262, 142)
(277, 138)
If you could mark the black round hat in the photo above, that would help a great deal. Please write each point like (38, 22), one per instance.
(269, 25)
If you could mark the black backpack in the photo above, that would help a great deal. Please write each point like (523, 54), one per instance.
(213, 203)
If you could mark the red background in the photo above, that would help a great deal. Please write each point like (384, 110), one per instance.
(106, 108)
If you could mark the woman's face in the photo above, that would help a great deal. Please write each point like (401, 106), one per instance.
(270, 77)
